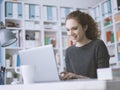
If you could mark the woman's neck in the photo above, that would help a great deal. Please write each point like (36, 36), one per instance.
(83, 42)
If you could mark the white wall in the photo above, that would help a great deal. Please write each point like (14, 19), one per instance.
(74, 3)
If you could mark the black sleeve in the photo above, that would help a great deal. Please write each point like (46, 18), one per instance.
(102, 55)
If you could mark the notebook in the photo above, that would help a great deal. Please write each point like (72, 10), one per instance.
(43, 59)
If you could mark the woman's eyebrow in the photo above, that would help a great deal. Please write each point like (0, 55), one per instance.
(74, 27)
(71, 27)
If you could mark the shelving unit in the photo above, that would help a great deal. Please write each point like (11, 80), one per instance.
(12, 64)
(106, 14)
(35, 24)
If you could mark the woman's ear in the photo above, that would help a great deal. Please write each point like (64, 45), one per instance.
(86, 27)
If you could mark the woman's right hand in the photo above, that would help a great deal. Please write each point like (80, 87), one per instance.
(69, 75)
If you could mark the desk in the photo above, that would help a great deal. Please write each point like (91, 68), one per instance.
(68, 85)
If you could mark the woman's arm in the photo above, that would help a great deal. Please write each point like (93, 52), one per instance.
(102, 55)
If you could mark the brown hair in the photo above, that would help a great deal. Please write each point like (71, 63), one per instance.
(85, 19)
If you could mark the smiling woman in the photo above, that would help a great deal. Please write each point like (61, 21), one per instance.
(88, 53)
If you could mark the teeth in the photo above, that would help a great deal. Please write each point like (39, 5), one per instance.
(73, 38)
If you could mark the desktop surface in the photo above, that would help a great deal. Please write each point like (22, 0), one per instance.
(91, 84)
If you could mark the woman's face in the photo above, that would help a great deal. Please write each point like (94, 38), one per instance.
(75, 30)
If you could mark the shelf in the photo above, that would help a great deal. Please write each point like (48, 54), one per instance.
(118, 22)
(8, 18)
(113, 60)
(110, 44)
(13, 48)
(11, 68)
(51, 30)
(32, 20)
(14, 1)
(14, 28)
(108, 26)
(118, 12)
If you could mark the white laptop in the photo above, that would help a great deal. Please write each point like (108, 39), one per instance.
(43, 59)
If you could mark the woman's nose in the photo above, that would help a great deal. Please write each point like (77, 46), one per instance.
(70, 32)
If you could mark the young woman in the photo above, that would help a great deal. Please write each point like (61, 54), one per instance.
(88, 53)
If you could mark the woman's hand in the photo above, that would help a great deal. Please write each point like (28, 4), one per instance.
(69, 75)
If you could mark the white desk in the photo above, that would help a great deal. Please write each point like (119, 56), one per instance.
(67, 85)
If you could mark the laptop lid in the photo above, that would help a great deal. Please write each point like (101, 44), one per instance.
(43, 59)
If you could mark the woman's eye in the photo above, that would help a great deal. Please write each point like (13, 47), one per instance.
(75, 28)
(68, 30)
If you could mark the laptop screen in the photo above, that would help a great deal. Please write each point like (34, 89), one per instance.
(43, 59)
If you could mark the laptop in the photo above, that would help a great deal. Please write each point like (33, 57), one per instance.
(43, 59)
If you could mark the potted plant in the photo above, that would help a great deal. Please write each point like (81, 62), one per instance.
(15, 78)
(15, 75)
(8, 56)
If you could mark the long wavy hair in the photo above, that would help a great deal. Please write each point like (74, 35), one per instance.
(85, 19)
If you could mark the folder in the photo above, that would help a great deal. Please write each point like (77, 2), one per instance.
(20, 14)
(45, 12)
(9, 9)
(31, 11)
(37, 12)
(49, 13)
(62, 14)
(26, 8)
(54, 12)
